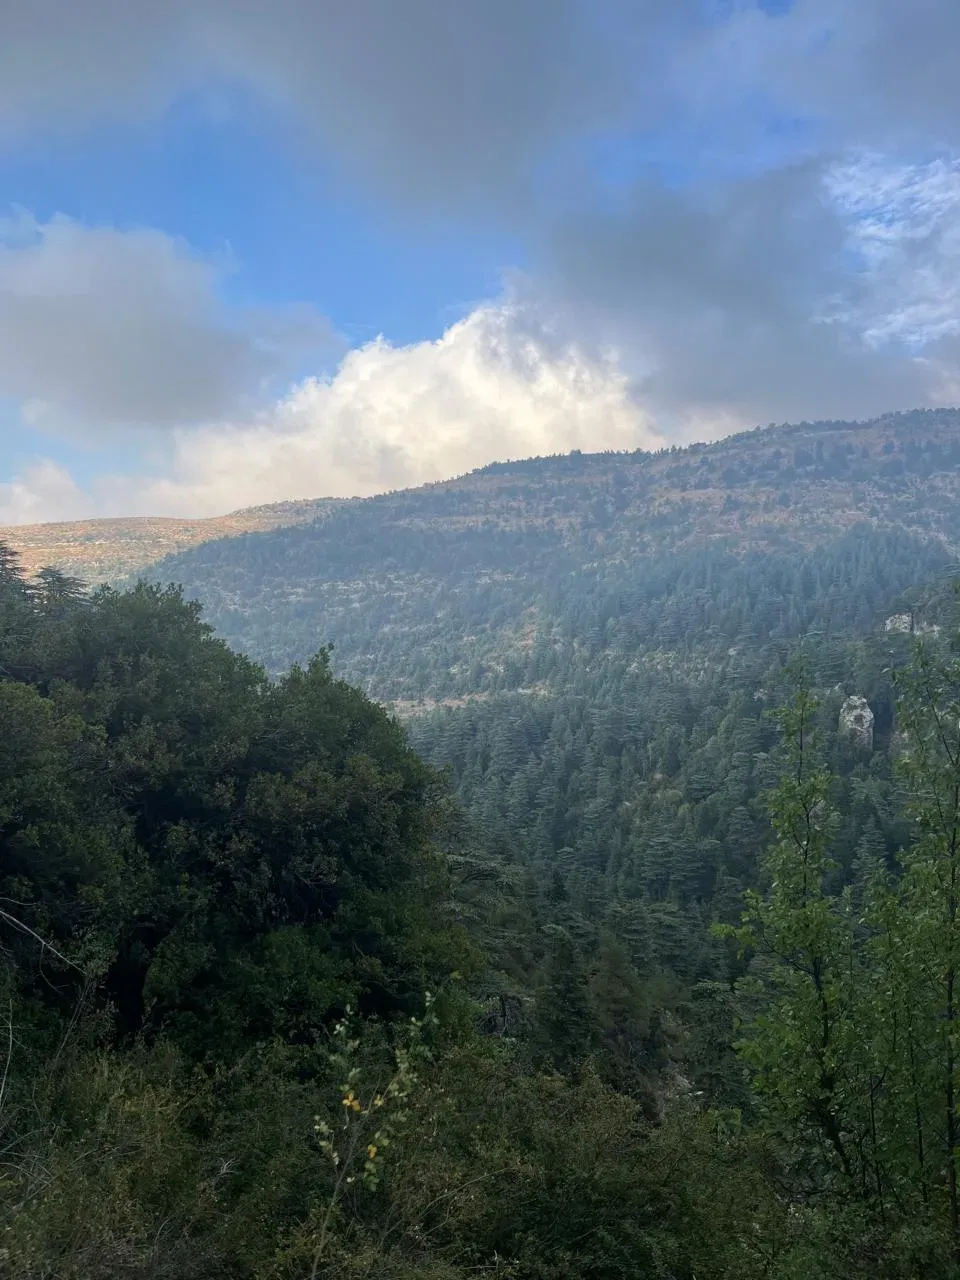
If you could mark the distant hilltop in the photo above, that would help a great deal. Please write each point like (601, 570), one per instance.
(541, 571)
(109, 550)
(790, 485)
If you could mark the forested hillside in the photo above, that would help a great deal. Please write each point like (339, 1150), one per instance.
(249, 976)
(495, 580)
(275, 1009)
(671, 991)
(659, 981)
(590, 643)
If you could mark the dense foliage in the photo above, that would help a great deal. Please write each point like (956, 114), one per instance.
(507, 578)
(248, 1034)
(274, 1010)
(194, 858)
(670, 992)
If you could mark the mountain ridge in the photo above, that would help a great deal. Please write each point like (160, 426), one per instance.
(467, 584)
(113, 548)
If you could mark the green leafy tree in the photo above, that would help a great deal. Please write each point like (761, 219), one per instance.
(927, 925)
(802, 1047)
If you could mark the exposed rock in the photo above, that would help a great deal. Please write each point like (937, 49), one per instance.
(908, 623)
(504, 1016)
(856, 721)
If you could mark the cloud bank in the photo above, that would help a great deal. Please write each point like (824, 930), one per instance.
(499, 383)
(732, 213)
(429, 102)
(105, 328)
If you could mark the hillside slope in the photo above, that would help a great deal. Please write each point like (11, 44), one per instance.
(482, 583)
(107, 550)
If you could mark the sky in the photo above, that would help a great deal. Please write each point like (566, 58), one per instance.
(252, 252)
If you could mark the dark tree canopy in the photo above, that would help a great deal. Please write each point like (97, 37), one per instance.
(235, 858)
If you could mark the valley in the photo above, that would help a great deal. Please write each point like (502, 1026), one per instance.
(480, 788)
(611, 751)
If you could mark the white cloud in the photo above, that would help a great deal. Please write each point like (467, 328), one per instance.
(509, 380)
(45, 491)
(904, 228)
(499, 383)
(102, 328)
(713, 286)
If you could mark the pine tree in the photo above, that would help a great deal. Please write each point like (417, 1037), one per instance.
(928, 922)
(55, 592)
(566, 1021)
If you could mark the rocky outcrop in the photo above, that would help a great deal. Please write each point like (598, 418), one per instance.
(856, 721)
(907, 622)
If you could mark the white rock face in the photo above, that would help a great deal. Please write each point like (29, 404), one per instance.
(856, 721)
(906, 622)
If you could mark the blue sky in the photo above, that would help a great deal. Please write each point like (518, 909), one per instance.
(252, 252)
(231, 182)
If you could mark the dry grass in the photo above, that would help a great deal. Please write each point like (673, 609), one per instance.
(107, 550)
